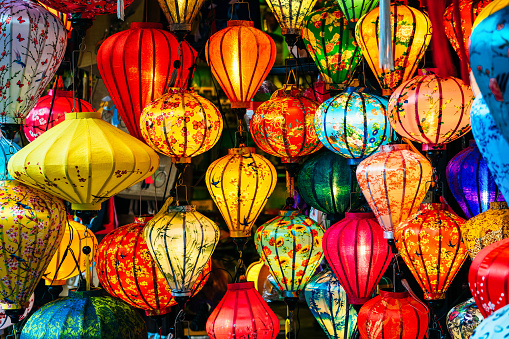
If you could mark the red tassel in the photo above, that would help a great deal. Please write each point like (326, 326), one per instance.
(456, 16)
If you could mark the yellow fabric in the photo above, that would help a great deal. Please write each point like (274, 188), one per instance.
(489, 10)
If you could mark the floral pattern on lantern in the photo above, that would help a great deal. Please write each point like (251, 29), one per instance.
(463, 318)
(6, 321)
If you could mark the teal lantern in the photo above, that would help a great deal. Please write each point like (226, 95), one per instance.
(7, 150)
(86, 314)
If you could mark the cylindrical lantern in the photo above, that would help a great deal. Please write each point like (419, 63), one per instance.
(136, 66)
(240, 57)
(7, 150)
(284, 126)
(394, 182)
(242, 313)
(393, 315)
(463, 318)
(495, 326)
(180, 14)
(88, 9)
(181, 124)
(430, 244)
(355, 9)
(290, 14)
(356, 250)
(248, 173)
(431, 109)
(6, 321)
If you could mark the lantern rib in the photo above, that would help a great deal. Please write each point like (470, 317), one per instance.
(425, 221)
(139, 68)
(184, 261)
(235, 311)
(413, 268)
(440, 112)
(154, 221)
(457, 248)
(252, 316)
(322, 36)
(377, 212)
(279, 264)
(129, 100)
(384, 317)
(225, 70)
(252, 201)
(414, 65)
(118, 278)
(477, 182)
(280, 19)
(384, 172)
(345, 114)
(414, 200)
(308, 259)
(224, 195)
(263, 140)
(356, 263)
(331, 185)
(403, 195)
(396, 110)
(294, 257)
(241, 78)
(101, 265)
(190, 286)
(449, 138)
(366, 323)
(136, 243)
(205, 124)
(186, 129)
(66, 168)
(266, 308)
(416, 110)
(416, 317)
(254, 67)
(239, 194)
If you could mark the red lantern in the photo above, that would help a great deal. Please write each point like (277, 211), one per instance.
(358, 254)
(43, 116)
(242, 313)
(393, 315)
(136, 66)
(489, 277)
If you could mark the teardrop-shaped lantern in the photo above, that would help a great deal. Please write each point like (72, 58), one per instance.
(355, 9)
(88, 9)
(463, 318)
(180, 13)
(290, 14)
(489, 9)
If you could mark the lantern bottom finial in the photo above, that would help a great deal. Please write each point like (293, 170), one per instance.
(240, 104)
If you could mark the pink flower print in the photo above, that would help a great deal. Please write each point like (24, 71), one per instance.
(495, 89)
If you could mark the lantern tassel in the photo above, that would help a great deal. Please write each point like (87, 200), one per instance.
(386, 59)
(120, 9)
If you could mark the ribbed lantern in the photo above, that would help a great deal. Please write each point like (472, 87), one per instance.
(88, 9)
(137, 65)
(180, 13)
(355, 9)
(7, 150)
(353, 124)
(358, 254)
(240, 57)
(393, 315)
(463, 318)
(83, 160)
(494, 326)
(431, 109)
(290, 14)
(284, 126)
(240, 184)
(411, 34)
(394, 182)
(242, 313)
(430, 244)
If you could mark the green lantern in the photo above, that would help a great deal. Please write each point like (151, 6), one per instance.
(354, 9)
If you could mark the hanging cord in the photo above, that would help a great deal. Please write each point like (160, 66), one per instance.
(240, 270)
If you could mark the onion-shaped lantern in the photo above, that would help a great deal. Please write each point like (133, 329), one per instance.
(6, 321)
(463, 318)
(7, 150)
(393, 182)
(431, 109)
(355, 9)
(290, 14)
(240, 57)
(358, 254)
(430, 244)
(250, 175)
(495, 326)
(88, 9)
(180, 13)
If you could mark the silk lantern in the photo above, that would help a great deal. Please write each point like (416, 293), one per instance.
(6, 321)
(180, 13)
(355, 9)
(7, 150)
(250, 175)
(240, 57)
(495, 326)
(410, 36)
(50, 111)
(89, 9)
(329, 304)
(358, 254)
(83, 160)
(430, 244)
(242, 313)
(431, 109)
(290, 15)
(34, 42)
(463, 318)
(393, 315)
(394, 182)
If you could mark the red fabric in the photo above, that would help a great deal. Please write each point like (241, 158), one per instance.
(462, 51)
(110, 221)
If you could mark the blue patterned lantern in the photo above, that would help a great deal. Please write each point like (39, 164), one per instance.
(495, 326)
(463, 318)
(7, 150)
(328, 302)
(471, 182)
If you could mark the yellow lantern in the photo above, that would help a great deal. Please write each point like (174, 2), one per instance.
(290, 14)
(240, 184)
(69, 259)
(180, 13)
(83, 160)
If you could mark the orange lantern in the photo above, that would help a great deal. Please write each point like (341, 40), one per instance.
(240, 57)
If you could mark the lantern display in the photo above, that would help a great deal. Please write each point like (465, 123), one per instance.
(5, 320)
(250, 175)
(355, 9)
(85, 314)
(242, 313)
(290, 14)
(291, 246)
(358, 254)
(410, 38)
(33, 43)
(49, 112)
(463, 318)
(180, 13)
(88, 9)
(394, 182)
(495, 326)
(83, 160)
(284, 126)
(137, 65)
(240, 57)
(430, 244)
(353, 124)
(69, 259)
(328, 303)
(431, 109)
(181, 124)
(402, 316)
(7, 150)
(332, 45)
(127, 271)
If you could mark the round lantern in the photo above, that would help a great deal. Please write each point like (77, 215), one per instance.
(180, 14)
(249, 174)
(89, 9)
(430, 244)
(394, 182)
(83, 160)
(463, 318)
(355, 9)
(86, 314)
(495, 326)
(34, 42)
(284, 126)
(50, 111)
(431, 109)
(181, 124)
(7, 150)
(410, 39)
(402, 317)
(356, 250)
(242, 313)
(136, 66)
(290, 14)
(291, 246)
(328, 303)
(353, 124)
(240, 57)
(331, 45)
(6, 321)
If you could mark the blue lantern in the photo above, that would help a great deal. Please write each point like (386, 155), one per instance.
(495, 326)
(7, 150)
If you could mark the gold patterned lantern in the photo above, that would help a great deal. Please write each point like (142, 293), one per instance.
(290, 14)
(180, 13)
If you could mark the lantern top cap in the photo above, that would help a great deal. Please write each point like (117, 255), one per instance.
(359, 215)
(60, 93)
(499, 205)
(394, 147)
(288, 213)
(82, 115)
(142, 219)
(178, 90)
(241, 286)
(241, 150)
(245, 23)
(153, 25)
(393, 295)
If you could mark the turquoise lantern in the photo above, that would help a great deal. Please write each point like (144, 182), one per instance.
(7, 150)
(495, 326)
